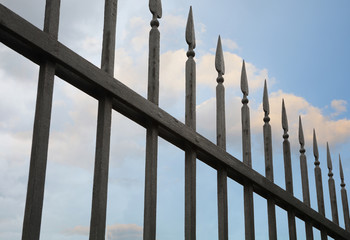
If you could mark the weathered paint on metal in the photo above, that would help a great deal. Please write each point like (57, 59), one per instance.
(318, 182)
(271, 209)
(190, 121)
(39, 47)
(103, 134)
(304, 179)
(288, 171)
(221, 143)
(331, 187)
(247, 158)
(150, 205)
(344, 198)
(41, 132)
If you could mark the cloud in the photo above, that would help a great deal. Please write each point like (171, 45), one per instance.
(336, 132)
(124, 232)
(78, 230)
(114, 232)
(339, 106)
(228, 43)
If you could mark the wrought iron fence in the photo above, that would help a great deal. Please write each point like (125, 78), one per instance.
(54, 58)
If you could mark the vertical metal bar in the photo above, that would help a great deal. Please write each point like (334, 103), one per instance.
(190, 120)
(150, 206)
(318, 181)
(104, 119)
(331, 187)
(247, 158)
(304, 180)
(221, 142)
(344, 198)
(271, 209)
(288, 171)
(41, 132)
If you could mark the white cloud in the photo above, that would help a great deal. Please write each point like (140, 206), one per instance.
(228, 43)
(339, 106)
(124, 232)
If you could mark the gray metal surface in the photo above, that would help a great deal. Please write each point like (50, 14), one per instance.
(190, 121)
(43, 48)
(271, 205)
(304, 179)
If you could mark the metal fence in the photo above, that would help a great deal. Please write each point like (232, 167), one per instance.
(54, 58)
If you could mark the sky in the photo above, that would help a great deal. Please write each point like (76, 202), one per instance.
(300, 47)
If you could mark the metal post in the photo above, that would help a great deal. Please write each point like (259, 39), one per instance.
(41, 132)
(190, 119)
(221, 142)
(247, 158)
(304, 180)
(288, 171)
(271, 210)
(150, 207)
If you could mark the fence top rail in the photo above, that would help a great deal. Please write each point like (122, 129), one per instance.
(31, 42)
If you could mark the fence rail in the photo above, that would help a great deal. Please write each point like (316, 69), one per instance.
(54, 58)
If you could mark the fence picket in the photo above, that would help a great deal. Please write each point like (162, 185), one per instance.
(331, 187)
(53, 57)
(221, 142)
(190, 120)
(41, 132)
(344, 198)
(247, 158)
(318, 182)
(271, 209)
(304, 179)
(104, 120)
(288, 171)
(150, 207)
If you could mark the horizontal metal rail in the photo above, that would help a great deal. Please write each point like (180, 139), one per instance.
(38, 46)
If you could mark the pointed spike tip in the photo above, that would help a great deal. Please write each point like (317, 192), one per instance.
(284, 117)
(301, 133)
(266, 105)
(341, 170)
(315, 147)
(190, 33)
(329, 159)
(244, 80)
(219, 58)
(155, 6)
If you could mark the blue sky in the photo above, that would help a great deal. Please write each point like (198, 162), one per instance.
(300, 47)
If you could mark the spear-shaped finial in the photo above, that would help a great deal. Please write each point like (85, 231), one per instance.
(219, 61)
(329, 162)
(155, 6)
(284, 120)
(266, 105)
(244, 81)
(344, 197)
(190, 34)
(315, 148)
(342, 184)
(301, 134)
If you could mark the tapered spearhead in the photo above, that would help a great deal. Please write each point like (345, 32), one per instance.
(266, 105)
(329, 160)
(284, 117)
(190, 35)
(301, 133)
(315, 147)
(155, 6)
(341, 171)
(219, 58)
(244, 81)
